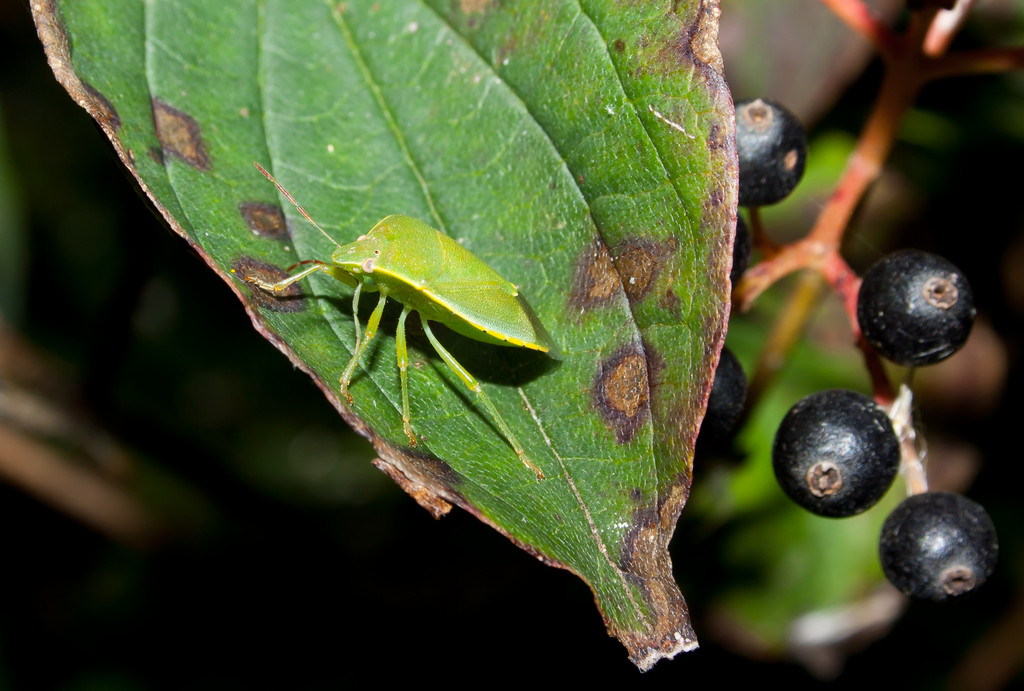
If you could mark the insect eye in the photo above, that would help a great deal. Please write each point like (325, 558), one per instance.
(376, 253)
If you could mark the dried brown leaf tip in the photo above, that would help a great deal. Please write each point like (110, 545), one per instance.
(264, 219)
(288, 300)
(180, 135)
(622, 393)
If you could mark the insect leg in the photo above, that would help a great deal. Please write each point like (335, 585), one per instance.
(474, 385)
(284, 283)
(371, 331)
(403, 366)
(355, 310)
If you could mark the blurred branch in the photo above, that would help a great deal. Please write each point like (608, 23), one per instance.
(908, 68)
(982, 61)
(899, 89)
(858, 16)
(912, 59)
(759, 236)
(53, 454)
(945, 27)
(913, 449)
(57, 480)
(785, 333)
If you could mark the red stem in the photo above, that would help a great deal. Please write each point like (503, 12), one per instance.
(856, 15)
(907, 69)
(975, 62)
(945, 27)
(899, 88)
(911, 59)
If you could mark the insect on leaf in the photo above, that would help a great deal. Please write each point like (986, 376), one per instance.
(583, 150)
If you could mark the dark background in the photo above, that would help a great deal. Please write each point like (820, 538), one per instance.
(295, 563)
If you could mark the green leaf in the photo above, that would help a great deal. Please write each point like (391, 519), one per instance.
(582, 149)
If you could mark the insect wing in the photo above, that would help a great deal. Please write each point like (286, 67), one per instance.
(484, 308)
(447, 283)
(478, 295)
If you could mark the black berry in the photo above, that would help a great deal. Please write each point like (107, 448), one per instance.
(938, 545)
(772, 150)
(741, 249)
(725, 403)
(836, 453)
(915, 308)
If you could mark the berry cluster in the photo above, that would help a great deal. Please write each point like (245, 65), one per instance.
(837, 452)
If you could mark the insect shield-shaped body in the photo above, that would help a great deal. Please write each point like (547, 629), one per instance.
(429, 273)
(432, 274)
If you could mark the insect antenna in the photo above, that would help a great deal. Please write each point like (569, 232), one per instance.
(305, 261)
(302, 211)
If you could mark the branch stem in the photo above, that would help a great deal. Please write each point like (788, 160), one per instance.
(981, 61)
(858, 16)
(898, 91)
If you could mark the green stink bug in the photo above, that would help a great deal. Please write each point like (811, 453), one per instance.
(431, 274)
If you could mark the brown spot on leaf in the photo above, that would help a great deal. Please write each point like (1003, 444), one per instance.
(104, 110)
(670, 301)
(695, 43)
(644, 527)
(595, 282)
(179, 135)
(619, 45)
(288, 300)
(506, 48)
(622, 392)
(264, 219)
(639, 262)
(718, 138)
(156, 154)
(704, 35)
(471, 6)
